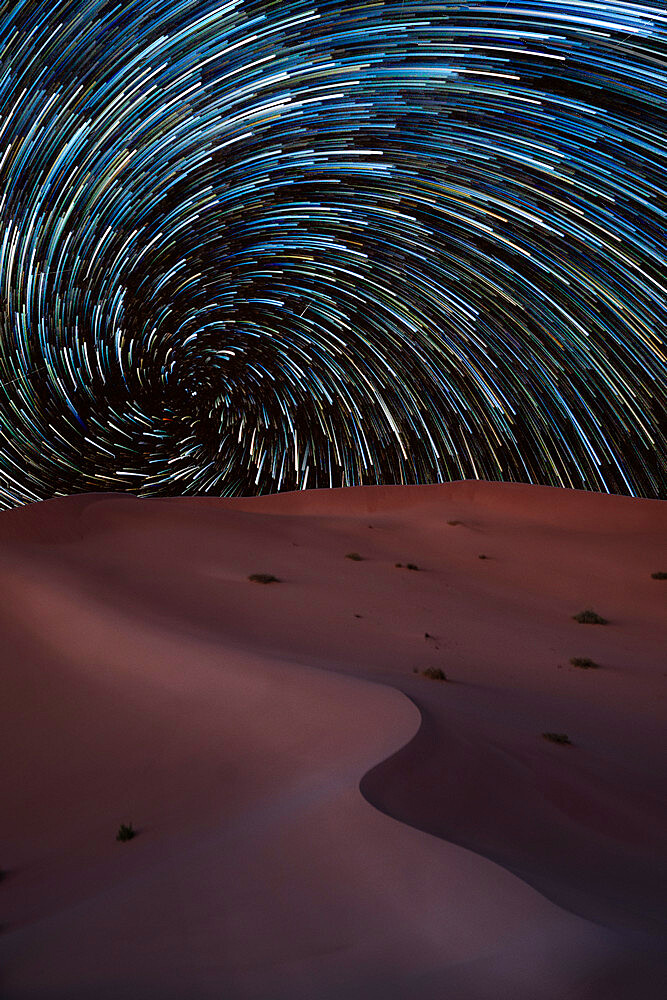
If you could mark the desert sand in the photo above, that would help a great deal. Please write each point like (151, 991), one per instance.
(316, 819)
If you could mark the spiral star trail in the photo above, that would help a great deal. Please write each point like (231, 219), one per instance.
(256, 246)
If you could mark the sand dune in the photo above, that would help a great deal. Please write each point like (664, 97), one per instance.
(315, 817)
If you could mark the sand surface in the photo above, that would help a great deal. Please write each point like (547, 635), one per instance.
(316, 819)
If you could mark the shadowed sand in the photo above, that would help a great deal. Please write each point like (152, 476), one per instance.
(315, 818)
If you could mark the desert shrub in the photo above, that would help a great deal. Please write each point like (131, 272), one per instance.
(354, 556)
(411, 566)
(434, 674)
(263, 578)
(561, 738)
(125, 832)
(589, 617)
(659, 576)
(482, 557)
(584, 662)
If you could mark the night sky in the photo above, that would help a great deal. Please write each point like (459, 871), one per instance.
(257, 246)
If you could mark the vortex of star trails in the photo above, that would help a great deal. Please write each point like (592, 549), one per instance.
(257, 246)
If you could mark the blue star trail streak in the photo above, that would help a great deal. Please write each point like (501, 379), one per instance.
(252, 246)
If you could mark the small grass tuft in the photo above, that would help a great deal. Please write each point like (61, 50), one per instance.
(125, 832)
(589, 617)
(263, 578)
(584, 662)
(482, 557)
(561, 738)
(659, 576)
(411, 566)
(434, 674)
(354, 556)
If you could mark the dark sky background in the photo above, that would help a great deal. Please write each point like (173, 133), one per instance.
(256, 246)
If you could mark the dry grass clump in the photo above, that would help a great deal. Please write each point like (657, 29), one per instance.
(354, 556)
(562, 738)
(263, 578)
(589, 617)
(125, 832)
(434, 674)
(584, 662)
(659, 576)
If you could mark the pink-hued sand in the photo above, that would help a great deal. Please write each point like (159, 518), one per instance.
(317, 821)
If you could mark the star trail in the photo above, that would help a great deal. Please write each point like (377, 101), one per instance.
(256, 246)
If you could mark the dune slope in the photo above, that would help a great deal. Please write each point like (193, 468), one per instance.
(314, 816)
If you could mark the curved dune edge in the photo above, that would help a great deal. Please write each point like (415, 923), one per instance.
(286, 881)
(397, 786)
(594, 959)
